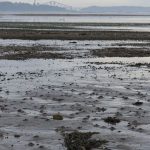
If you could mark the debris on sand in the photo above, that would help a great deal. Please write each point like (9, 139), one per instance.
(17, 136)
(138, 103)
(112, 120)
(31, 144)
(57, 116)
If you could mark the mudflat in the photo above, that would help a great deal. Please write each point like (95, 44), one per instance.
(73, 90)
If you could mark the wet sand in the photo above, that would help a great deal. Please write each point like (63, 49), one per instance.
(106, 98)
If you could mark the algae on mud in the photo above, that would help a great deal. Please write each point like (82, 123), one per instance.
(121, 52)
(18, 52)
(26, 52)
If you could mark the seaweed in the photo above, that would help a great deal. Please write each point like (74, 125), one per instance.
(82, 141)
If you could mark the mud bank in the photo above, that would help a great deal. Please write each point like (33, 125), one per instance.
(73, 35)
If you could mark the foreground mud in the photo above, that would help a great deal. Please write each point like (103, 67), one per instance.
(85, 93)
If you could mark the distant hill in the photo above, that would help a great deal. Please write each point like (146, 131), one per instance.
(25, 7)
(117, 10)
(45, 8)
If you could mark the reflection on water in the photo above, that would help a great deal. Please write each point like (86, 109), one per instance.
(145, 28)
(98, 19)
(117, 28)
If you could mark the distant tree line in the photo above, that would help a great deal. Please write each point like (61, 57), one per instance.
(26, 7)
(21, 7)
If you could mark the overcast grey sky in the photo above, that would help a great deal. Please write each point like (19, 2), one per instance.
(82, 3)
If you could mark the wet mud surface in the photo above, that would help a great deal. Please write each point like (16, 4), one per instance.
(69, 49)
(23, 53)
(69, 95)
(74, 31)
(121, 52)
(110, 99)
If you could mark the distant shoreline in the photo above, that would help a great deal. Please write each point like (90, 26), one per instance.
(70, 14)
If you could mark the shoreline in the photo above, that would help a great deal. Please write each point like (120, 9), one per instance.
(71, 14)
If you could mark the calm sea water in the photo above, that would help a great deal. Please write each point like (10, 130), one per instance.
(96, 19)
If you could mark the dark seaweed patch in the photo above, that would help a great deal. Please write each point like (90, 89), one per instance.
(112, 120)
(82, 141)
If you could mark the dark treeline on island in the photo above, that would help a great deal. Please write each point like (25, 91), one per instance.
(46, 8)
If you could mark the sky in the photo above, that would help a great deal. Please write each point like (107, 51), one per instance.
(84, 3)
